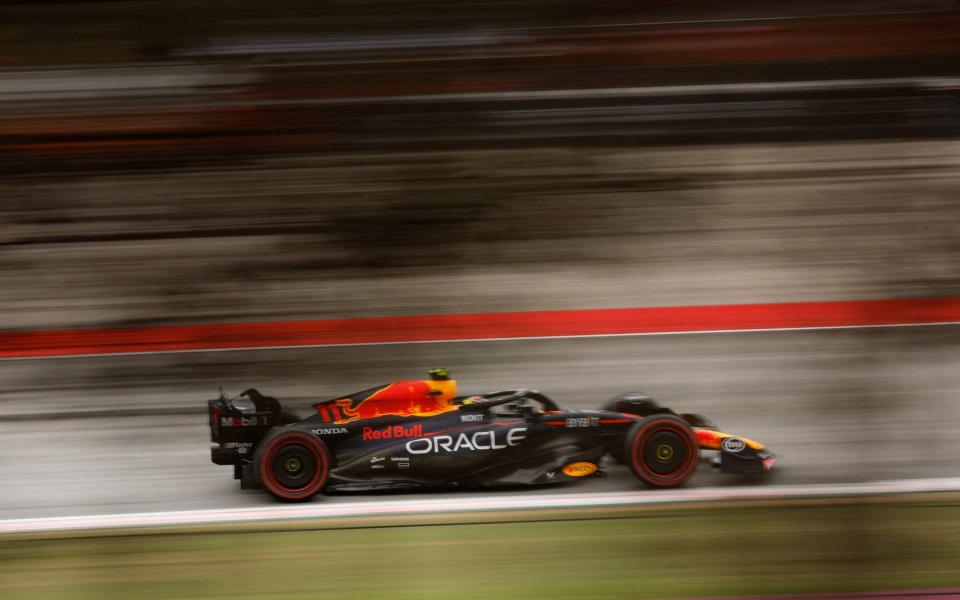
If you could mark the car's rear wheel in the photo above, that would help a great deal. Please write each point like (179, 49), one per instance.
(662, 451)
(292, 465)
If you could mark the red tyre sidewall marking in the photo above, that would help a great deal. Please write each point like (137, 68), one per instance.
(649, 431)
(312, 446)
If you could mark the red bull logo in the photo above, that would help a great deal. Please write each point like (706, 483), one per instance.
(397, 431)
(420, 398)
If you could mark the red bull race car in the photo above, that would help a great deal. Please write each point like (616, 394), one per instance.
(420, 434)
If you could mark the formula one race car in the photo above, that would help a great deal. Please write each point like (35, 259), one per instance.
(421, 434)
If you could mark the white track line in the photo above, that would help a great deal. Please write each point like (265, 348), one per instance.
(495, 339)
(652, 91)
(810, 17)
(452, 505)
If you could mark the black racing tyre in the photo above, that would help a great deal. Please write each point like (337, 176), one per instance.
(292, 465)
(662, 451)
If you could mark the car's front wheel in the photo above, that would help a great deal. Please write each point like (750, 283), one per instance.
(292, 465)
(662, 451)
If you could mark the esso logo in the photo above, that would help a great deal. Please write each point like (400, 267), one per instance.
(733, 445)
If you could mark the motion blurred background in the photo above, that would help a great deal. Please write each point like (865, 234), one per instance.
(188, 161)
(168, 162)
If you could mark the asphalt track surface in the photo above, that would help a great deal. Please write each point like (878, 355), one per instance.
(843, 405)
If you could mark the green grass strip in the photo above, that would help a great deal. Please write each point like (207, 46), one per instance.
(730, 551)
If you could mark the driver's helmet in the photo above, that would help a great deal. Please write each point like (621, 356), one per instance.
(440, 374)
(443, 388)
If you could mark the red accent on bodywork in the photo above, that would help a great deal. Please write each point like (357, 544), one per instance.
(709, 439)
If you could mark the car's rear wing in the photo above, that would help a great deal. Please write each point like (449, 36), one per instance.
(238, 424)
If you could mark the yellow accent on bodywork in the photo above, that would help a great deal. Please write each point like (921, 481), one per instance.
(580, 469)
(711, 440)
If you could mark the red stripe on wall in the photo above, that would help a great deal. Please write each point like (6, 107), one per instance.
(478, 326)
